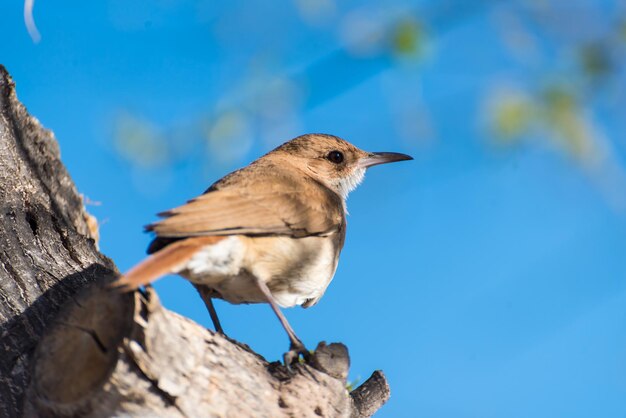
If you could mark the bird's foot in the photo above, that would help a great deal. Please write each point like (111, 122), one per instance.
(293, 355)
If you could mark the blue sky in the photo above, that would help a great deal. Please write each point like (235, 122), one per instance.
(485, 281)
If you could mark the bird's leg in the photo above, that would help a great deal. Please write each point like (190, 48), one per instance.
(214, 318)
(205, 294)
(296, 346)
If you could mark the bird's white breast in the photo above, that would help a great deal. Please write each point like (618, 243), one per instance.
(295, 270)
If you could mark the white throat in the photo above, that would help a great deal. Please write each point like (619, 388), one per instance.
(345, 185)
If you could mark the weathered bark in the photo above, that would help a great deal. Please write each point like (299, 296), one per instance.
(71, 347)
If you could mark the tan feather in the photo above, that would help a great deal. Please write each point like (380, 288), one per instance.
(266, 202)
(165, 261)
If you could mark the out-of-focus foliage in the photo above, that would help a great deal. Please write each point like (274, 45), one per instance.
(560, 111)
(139, 141)
(567, 62)
(573, 66)
(269, 103)
(229, 136)
(149, 146)
(511, 114)
(554, 114)
(409, 37)
(595, 60)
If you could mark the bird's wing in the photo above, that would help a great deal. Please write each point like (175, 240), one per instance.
(266, 205)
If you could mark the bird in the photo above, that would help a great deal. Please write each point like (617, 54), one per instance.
(270, 232)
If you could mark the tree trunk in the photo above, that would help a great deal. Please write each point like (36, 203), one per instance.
(71, 347)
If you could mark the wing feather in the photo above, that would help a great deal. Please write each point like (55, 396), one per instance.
(270, 204)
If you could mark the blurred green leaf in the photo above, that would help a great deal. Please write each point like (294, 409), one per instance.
(558, 98)
(351, 385)
(555, 114)
(512, 117)
(139, 142)
(595, 60)
(564, 119)
(408, 37)
(229, 137)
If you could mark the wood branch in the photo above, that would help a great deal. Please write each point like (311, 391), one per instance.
(46, 251)
(71, 347)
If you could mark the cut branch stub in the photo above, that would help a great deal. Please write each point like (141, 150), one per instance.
(332, 359)
(371, 395)
(77, 355)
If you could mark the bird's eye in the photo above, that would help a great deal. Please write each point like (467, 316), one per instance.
(335, 157)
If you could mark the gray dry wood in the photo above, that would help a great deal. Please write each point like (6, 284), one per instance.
(69, 347)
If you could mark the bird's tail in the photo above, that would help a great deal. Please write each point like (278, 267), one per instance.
(169, 259)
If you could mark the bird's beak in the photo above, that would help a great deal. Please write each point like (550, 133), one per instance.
(375, 158)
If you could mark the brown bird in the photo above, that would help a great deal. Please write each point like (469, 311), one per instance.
(270, 232)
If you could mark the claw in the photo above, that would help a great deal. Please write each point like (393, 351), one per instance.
(293, 355)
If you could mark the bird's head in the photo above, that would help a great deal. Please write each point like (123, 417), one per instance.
(332, 161)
